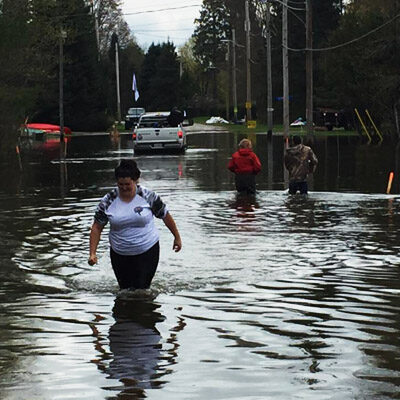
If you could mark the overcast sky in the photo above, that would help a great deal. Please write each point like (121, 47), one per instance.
(153, 21)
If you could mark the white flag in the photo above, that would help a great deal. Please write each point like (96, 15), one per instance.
(134, 87)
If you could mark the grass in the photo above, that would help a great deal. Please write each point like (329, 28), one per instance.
(276, 129)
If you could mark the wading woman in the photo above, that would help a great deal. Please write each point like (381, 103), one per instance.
(134, 239)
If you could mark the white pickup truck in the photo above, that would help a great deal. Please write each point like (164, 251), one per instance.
(154, 132)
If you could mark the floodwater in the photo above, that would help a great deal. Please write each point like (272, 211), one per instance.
(272, 297)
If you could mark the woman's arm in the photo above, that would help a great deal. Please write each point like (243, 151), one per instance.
(95, 234)
(170, 224)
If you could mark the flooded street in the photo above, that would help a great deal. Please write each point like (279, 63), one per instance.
(272, 297)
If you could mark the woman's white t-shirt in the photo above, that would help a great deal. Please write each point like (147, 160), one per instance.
(132, 228)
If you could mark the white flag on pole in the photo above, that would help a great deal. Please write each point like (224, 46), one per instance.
(134, 87)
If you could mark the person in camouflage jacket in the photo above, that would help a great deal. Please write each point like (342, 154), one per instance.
(299, 160)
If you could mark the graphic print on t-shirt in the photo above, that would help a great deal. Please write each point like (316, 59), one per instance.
(138, 210)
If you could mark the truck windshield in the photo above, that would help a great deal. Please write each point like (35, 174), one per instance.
(154, 122)
(136, 111)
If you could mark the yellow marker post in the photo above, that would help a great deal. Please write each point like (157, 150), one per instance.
(389, 185)
(363, 125)
(373, 124)
(251, 124)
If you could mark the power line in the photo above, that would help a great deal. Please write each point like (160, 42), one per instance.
(162, 30)
(350, 41)
(130, 13)
(163, 37)
(161, 10)
(159, 24)
(289, 7)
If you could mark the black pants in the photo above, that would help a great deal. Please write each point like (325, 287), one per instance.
(135, 272)
(302, 187)
(245, 183)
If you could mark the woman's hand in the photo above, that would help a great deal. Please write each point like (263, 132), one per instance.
(92, 259)
(95, 234)
(177, 244)
(170, 224)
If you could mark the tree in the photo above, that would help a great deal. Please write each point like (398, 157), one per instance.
(371, 62)
(191, 80)
(131, 60)
(160, 77)
(110, 20)
(212, 27)
(326, 14)
(29, 72)
(84, 100)
(236, 12)
(148, 72)
(83, 93)
(17, 94)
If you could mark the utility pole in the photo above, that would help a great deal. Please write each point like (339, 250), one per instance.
(96, 26)
(63, 35)
(227, 59)
(248, 57)
(285, 65)
(180, 67)
(117, 82)
(235, 109)
(309, 70)
(269, 73)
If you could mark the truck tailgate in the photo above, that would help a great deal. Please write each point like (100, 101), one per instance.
(157, 134)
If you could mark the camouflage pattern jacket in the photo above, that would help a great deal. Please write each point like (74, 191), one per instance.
(300, 160)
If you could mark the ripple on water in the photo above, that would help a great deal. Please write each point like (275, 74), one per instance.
(301, 296)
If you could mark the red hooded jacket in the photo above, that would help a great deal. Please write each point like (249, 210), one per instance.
(244, 161)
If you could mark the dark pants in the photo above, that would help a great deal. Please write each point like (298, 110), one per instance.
(301, 187)
(135, 272)
(245, 183)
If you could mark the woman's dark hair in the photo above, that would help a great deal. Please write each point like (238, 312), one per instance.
(127, 169)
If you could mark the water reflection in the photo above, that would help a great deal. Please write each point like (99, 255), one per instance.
(134, 344)
(245, 205)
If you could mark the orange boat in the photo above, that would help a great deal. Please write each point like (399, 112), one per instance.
(38, 129)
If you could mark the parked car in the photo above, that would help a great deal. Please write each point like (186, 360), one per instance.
(132, 117)
(331, 118)
(159, 131)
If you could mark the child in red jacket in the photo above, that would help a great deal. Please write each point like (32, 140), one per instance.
(245, 165)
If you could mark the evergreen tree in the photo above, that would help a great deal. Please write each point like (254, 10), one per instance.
(131, 59)
(160, 77)
(83, 93)
(148, 72)
(212, 27)
(14, 96)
